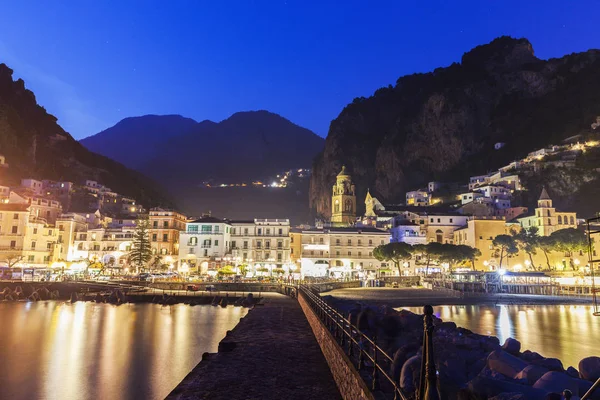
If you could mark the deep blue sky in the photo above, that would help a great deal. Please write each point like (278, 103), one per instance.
(92, 63)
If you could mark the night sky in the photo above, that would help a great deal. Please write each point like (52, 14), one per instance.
(92, 63)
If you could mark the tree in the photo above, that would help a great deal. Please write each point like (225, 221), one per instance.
(547, 244)
(394, 252)
(157, 262)
(528, 240)
(141, 251)
(458, 254)
(504, 245)
(12, 259)
(430, 251)
(569, 241)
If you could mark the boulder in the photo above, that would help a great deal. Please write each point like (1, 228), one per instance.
(400, 357)
(556, 382)
(485, 387)
(589, 368)
(411, 374)
(572, 372)
(529, 356)
(390, 326)
(512, 346)
(584, 386)
(504, 363)
(509, 396)
(531, 374)
(551, 364)
(445, 327)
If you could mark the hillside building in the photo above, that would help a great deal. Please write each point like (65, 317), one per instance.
(546, 218)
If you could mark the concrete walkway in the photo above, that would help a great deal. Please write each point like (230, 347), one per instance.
(275, 356)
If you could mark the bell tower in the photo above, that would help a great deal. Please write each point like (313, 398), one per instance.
(343, 200)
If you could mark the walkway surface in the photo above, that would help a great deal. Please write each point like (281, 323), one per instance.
(276, 356)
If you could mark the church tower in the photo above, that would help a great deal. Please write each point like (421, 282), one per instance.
(343, 200)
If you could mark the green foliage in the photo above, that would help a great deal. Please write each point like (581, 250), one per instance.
(569, 241)
(226, 270)
(394, 252)
(141, 251)
(528, 241)
(504, 245)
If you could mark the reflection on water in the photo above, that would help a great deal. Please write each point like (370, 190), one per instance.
(568, 333)
(55, 350)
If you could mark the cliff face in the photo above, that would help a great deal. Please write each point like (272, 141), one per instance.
(36, 146)
(444, 124)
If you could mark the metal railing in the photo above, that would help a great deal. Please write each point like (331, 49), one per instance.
(368, 356)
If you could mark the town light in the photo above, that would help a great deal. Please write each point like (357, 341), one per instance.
(527, 263)
(501, 272)
(576, 261)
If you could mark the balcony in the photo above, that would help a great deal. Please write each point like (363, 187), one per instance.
(10, 248)
(203, 233)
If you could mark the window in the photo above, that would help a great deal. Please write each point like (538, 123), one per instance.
(337, 253)
(15, 229)
(370, 254)
(15, 216)
(439, 220)
(192, 228)
(193, 241)
(450, 220)
(349, 242)
(560, 220)
(280, 232)
(370, 242)
(205, 253)
(381, 242)
(258, 244)
(216, 228)
(321, 252)
(13, 244)
(349, 253)
(549, 221)
(321, 240)
(245, 256)
(165, 237)
(163, 251)
(165, 224)
(46, 259)
(337, 242)
(439, 236)
(206, 228)
(80, 246)
(33, 245)
(336, 207)
(359, 254)
(279, 244)
(245, 231)
(233, 244)
(431, 220)
(154, 237)
(245, 244)
(35, 231)
(259, 231)
(30, 259)
(348, 205)
(268, 231)
(572, 220)
(155, 224)
(216, 242)
(359, 242)
(267, 244)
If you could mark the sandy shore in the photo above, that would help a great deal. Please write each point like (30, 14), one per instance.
(413, 297)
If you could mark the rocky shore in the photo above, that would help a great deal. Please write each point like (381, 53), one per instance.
(471, 366)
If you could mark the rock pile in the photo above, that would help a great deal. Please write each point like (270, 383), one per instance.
(470, 366)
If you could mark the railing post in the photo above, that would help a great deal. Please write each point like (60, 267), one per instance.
(428, 384)
(375, 385)
(343, 338)
(350, 339)
(361, 361)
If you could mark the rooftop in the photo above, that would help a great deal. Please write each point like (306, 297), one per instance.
(212, 220)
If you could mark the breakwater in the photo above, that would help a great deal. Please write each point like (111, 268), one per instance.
(270, 354)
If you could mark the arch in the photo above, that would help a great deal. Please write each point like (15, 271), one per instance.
(560, 220)
(336, 207)
(80, 246)
(348, 205)
(439, 236)
(572, 220)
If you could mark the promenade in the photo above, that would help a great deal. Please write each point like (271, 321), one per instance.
(273, 355)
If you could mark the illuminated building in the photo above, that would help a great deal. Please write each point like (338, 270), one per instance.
(204, 244)
(343, 200)
(546, 218)
(343, 252)
(165, 227)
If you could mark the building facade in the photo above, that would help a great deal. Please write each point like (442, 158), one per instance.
(547, 219)
(343, 200)
(165, 227)
(342, 252)
(204, 245)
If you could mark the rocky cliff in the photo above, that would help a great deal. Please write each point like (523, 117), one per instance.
(36, 146)
(444, 124)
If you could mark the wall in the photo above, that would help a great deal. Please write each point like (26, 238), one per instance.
(349, 382)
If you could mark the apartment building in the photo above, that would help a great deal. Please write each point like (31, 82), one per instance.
(165, 227)
(109, 246)
(342, 252)
(261, 242)
(204, 245)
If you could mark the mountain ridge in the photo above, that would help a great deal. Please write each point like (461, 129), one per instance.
(442, 125)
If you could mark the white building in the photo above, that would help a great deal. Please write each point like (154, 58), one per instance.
(494, 191)
(110, 246)
(33, 185)
(417, 198)
(204, 245)
(342, 252)
(261, 244)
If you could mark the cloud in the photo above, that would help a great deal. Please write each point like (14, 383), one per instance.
(58, 96)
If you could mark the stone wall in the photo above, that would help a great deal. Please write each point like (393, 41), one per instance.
(325, 287)
(348, 381)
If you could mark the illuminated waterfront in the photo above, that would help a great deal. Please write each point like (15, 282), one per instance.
(58, 350)
(568, 333)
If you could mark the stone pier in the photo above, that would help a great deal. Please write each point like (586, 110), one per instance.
(271, 354)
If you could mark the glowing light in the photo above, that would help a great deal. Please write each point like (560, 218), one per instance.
(527, 263)
(501, 271)
(576, 261)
